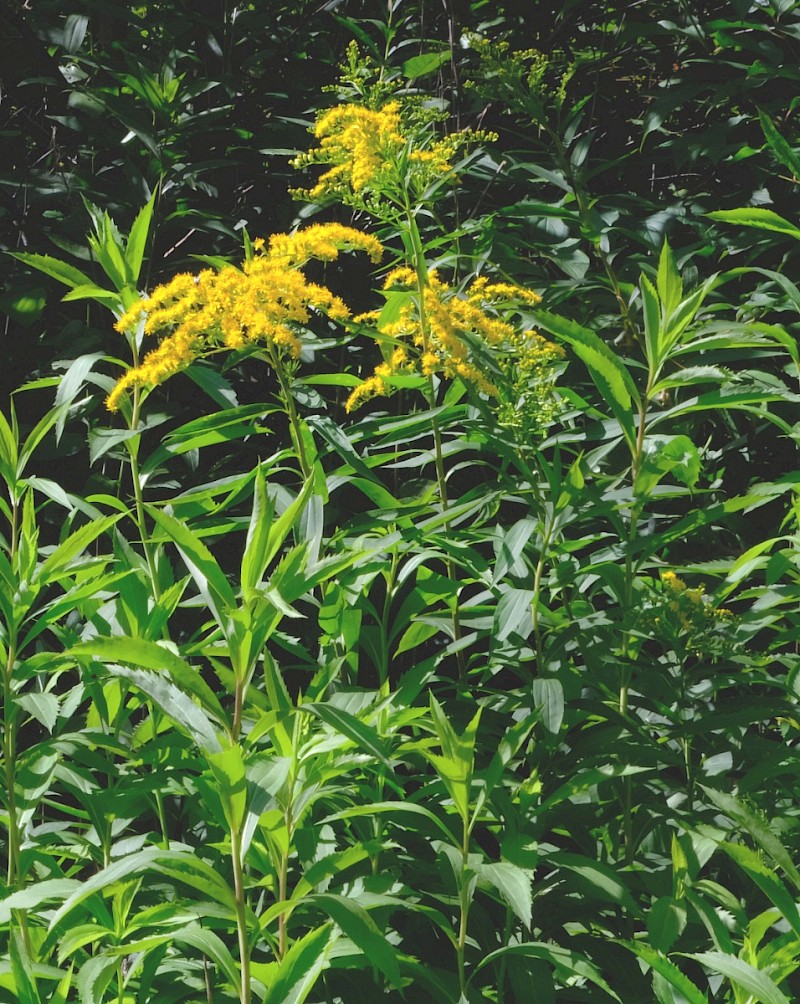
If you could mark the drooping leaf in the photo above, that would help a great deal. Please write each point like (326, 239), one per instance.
(300, 968)
(743, 975)
(361, 929)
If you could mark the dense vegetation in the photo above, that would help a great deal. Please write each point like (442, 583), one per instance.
(399, 564)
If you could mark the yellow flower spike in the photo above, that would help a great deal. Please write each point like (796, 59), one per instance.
(453, 320)
(323, 241)
(261, 303)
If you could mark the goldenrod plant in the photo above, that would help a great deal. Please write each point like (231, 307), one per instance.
(402, 603)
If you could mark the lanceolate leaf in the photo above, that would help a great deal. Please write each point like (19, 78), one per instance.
(149, 655)
(565, 962)
(60, 270)
(175, 703)
(359, 732)
(766, 879)
(764, 219)
(743, 975)
(757, 829)
(137, 239)
(361, 929)
(208, 576)
(668, 970)
(301, 967)
(609, 373)
(514, 884)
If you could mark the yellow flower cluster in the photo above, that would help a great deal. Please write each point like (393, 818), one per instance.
(691, 612)
(261, 303)
(368, 150)
(378, 384)
(323, 241)
(433, 335)
(357, 142)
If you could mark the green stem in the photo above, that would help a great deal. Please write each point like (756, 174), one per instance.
(626, 668)
(537, 588)
(464, 904)
(13, 873)
(152, 571)
(421, 271)
(141, 523)
(283, 888)
(501, 972)
(245, 993)
(291, 411)
(9, 760)
(283, 878)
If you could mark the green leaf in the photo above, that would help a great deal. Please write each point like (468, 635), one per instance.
(137, 239)
(566, 963)
(212, 946)
(67, 274)
(514, 884)
(68, 550)
(25, 305)
(9, 452)
(779, 146)
(757, 829)
(512, 615)
(668, 970)
(22, 969)
(154, 656)
(548, 699)
(255, 552)
(606, 369)
(91, 291)
(299, 970)
(669, 282)
(764, 219)
(41, 706)
(767, 881)
(174, 703)
(206, 573)
(94, 977)
(126, 867)
(34, 895)
(391, 808)
(596, 879)
(361, 929)
(661, 455)
(425, 63)
(652, 323)
(227, 766)
(743, 975)
(666, 920)
(363, 735)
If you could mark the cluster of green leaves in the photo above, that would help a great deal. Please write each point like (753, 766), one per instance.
(440, 713)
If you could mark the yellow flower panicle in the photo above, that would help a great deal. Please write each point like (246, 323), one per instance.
(358, 144)
(367, 150)
(451, 320)
(323, 241)
(693, 610)
(260, 304)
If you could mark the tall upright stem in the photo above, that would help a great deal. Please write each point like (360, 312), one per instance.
(421, 272)
(464, 904)
(625, 672)
(10, 722)
(291, 411)
(245, 992)
(141, 523)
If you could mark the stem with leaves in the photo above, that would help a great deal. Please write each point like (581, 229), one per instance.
(421, 272)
